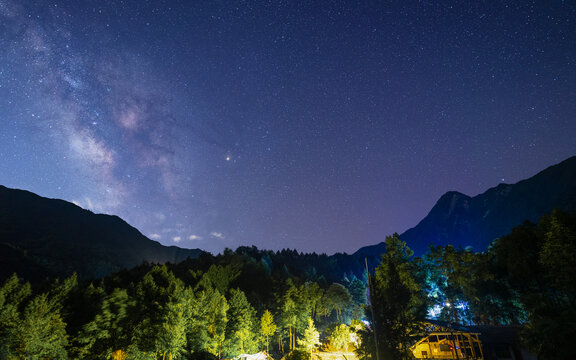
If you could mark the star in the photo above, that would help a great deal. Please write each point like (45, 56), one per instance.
(334, 115)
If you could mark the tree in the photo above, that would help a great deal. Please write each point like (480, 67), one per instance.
(538, 262)
(109, 331)
(41, 332)
(241, 324)
(295, 312)
(172, 337)
(357, 290)
(558, 252)
(311, 338)
(340, 337)
(267, 326)
(312, 296)
(463, 284)
(207, 329)
(157, 297)
(398, 301)
(12, 294)
(219, 277)
(338, 298)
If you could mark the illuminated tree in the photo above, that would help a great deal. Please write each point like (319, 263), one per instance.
(207, 330)
(241, 323)
(12, 294)
(40, 331)
(311, 339)
(172, 336)
(340, 337)
(119, 355)
(161, 315)
(267, 326)
(295, 312)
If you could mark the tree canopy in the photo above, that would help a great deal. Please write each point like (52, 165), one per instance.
(212, 305)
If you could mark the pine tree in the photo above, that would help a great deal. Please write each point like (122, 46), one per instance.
(398, 301)
(241, 323)
(267, 326)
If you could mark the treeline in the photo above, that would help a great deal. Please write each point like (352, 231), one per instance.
(234, 303)
(249, 300)
(527, 278)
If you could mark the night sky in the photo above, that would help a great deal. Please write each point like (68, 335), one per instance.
(316, 125)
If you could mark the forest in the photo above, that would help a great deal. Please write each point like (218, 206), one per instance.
(251, 300)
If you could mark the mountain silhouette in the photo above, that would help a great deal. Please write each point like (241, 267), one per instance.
(464, 221)
(42, 237)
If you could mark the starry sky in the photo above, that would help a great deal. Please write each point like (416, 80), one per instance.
(316, 125)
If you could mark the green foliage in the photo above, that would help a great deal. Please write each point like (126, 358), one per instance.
(557, 255)
(526, 277)
(202, 355)
(172, 337)
(175, 311)
(267, 326)
(337, 298)
(219, 277)
(297, 355)
(207, 329)
(241, 337)
(109, 331)
(12, 293)
(340, 337)
(398, 301)
(41, 333)
(312, 296)
(161, 299)
(295, 312)
(357, 290)
(311, 338)
(32, 327)
(538, 263)
(457, 275)
(209, 305)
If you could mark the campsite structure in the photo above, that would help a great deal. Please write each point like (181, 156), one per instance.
(444, 342)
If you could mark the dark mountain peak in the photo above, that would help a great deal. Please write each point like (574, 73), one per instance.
(462, 220)
(476, 221)
(451, 204)
(62, 238)
(449, 218)
(453, 194)
(503, 189)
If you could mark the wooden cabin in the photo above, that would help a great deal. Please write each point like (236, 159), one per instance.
(448, 343)
(474, 342)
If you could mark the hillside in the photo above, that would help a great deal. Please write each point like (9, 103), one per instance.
(40, 236)
(46, 237)
(462, 220)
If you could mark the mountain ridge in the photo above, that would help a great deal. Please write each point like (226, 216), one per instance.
(46, 232)
(461, 220)
(39, 237)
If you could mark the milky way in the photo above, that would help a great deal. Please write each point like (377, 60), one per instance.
(321, 126)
